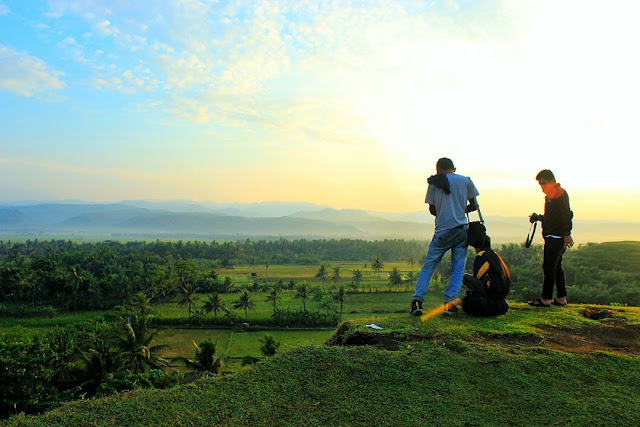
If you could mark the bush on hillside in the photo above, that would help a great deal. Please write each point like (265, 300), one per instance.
(289, 317)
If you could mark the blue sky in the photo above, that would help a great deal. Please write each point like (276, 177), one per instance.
(344, 103)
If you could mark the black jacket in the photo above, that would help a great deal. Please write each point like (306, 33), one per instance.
(557, 218)
(489, 268)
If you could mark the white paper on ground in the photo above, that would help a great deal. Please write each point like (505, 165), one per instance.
(373, 326)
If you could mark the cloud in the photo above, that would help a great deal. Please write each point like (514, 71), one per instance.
(81, 170)
(105, 28)
(27, 75)
(4, 9)
(412, 76)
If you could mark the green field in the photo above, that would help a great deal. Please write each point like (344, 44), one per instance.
(355, 304)
(40, 325)
(233, 343)
(307, 272)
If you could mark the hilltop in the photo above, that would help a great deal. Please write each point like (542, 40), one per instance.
(576, 365)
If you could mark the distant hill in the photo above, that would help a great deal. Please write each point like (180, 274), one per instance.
(338, 215)
(193, 220)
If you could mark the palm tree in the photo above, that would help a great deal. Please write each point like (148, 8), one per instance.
(266, 269)
(245, 302)
(252, 262)
(357, 278)
(377, 265)
(227, 284)
(339, 296)
(411, 261)
(322, 274)
(215, 304)
(96, 356)
(134, 349)
(63, 343)
(335, 277)
(395, 279)
(188, 296)
(205, 360)
(76, 282)
(411, 277)
(95, 364)
(302, 292)
(273, 298)
(140, 303)
(269, 345)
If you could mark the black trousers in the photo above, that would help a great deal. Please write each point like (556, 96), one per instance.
(483, 306)
(552, 268)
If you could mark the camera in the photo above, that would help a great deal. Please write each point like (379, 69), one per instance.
(535, 217)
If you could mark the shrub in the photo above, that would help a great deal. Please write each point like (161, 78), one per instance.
(289, 317)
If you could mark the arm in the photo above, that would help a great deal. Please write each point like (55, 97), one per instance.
(475, 285)
(472, 206)
(431, 200)
(567, 216)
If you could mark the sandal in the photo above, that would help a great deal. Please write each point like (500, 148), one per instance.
(556, 302)
(538, 303)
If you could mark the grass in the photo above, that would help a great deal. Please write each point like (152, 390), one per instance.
(355, 386)
(455, 379)
(235, 344)
(40, 325)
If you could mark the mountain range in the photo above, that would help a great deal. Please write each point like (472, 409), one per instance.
(186, 219)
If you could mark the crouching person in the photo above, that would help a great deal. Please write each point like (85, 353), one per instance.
(490, 283)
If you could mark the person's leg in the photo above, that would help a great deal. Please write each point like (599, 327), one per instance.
(552, 252)
(474, 284)
(458, 260)
(561, 288)
(431, 261)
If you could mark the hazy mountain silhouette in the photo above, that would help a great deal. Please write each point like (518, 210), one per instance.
(194, 220)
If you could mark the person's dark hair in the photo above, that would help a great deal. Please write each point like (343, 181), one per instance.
(477, 236)
(545, 174)
(445, 164)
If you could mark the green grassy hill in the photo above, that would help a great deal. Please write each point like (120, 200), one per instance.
(616, 256)
(532, 367)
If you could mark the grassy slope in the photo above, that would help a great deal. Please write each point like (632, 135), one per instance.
(452, 377)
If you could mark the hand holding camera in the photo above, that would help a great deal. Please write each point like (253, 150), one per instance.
(534, 217)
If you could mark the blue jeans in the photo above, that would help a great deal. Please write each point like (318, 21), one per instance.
(456, 240)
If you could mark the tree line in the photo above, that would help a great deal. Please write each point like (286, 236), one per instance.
(66, 275)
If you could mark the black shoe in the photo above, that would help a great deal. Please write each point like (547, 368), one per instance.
(449, 309)
(416, 307)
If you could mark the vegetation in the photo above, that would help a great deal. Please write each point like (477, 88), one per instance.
(269, 345)
(126, 289)
(449, 371)
(46, 277)
(94, 358)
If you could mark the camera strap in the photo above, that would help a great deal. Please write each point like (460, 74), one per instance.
(529, 240)
(477, 210)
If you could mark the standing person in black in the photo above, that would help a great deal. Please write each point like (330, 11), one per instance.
(556, 230)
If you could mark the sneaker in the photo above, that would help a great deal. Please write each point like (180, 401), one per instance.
(453, 309)
(416, 307)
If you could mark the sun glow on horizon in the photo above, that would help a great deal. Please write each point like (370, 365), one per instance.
(343, 106)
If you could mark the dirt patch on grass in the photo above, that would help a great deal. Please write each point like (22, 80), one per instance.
(346, 335)
(619, 338)
(614, 337)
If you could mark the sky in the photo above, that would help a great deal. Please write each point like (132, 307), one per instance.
(341, 103)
